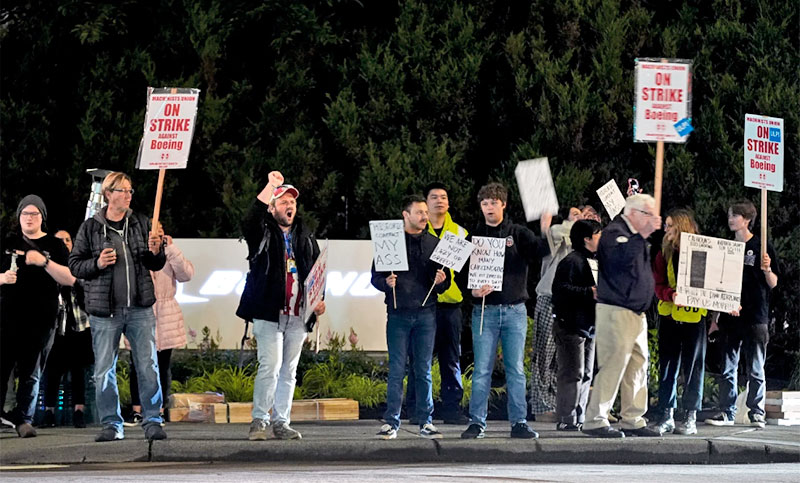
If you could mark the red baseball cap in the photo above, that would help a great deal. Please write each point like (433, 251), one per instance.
(282, 190)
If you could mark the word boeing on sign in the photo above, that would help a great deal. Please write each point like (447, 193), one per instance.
(663, 98)
(763, 152)
(168, 128)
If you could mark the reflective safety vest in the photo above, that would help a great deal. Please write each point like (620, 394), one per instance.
(679, 314)
(453, 294)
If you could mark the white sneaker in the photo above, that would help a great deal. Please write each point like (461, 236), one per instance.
(387, 432)
(429, 431)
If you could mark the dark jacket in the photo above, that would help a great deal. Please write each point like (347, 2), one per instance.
(264, 293)
(98, 284)
(626, 276)
(573, 299)
(412, 286)
(523, 248)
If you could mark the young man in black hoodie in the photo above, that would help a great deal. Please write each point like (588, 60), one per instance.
(574, 296)
(411, 324)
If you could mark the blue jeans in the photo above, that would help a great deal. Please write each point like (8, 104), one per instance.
(681, 346)
(507, 324)
(751, 339)
(415, 330)
(139, 326)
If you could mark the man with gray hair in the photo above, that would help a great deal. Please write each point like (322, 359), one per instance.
(624, 292)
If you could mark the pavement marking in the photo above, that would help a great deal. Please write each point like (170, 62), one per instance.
(31, 467)
(754, 440)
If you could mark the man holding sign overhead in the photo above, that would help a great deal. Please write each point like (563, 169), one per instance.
(411, 323)
(504, 317)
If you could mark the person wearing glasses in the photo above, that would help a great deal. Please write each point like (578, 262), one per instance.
(624, 292)
(32, 268)
(114, 252)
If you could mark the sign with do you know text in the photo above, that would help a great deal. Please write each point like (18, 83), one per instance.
(388, 245)
(710, 273)
(168, 128)
(486, 262)
(763, 152)
(663, 98)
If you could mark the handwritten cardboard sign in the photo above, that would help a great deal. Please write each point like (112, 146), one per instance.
(710, 273)
(612, 198)
(452, 251)
(168, 128)
(388, 245)
(486, 262)
(536, 188)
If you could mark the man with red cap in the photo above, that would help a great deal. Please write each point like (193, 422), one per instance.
(281, 252)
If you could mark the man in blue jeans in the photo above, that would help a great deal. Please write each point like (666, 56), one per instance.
(410, 323)
(114, 253)
(746, 330)
(505, 318)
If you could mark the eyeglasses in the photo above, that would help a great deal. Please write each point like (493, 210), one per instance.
(117, 190)
(31, 214)
(645, 213)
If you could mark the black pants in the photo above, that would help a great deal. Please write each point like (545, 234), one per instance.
(72, 352)
(164, 375)
(447, 348)
(27, 350)
(575, 358)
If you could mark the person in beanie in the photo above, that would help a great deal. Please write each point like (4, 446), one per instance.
(32, 268)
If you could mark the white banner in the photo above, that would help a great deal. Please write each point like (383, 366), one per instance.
(388, 245)
(710, 273)
(663, 98)
(452, 251)
(486, 262)
(168, 128)
(536, 188)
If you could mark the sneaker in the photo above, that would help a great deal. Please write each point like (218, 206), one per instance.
(643, 432)
(154, 431)
(720, 419)
(757, 420)
(458, 419)
(568, 427)
(474, 431)
(603, 432)
(429, 431)
(109, 433)
(387, 432)
(26, 430)
(523, 431)
(135, 419)
(49, 420)
(688, 425)
(258, 430)
(78, 420)
(282, 430)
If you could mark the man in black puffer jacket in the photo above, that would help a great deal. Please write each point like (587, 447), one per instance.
(281, 251)
(114, 253)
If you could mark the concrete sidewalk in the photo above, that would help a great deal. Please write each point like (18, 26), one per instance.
(355, 441)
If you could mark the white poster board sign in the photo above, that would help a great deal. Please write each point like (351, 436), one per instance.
(663, 98)
(314, 286)
(612, 198)
(536, 188)
(452, 251)
(763, 152)
(710, 273)
(486, 262)
(388, 245)
(168, 128)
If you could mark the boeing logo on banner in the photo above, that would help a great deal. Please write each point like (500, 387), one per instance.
(684, 126)
(775, 134)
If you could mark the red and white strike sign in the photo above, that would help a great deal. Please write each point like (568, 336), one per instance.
(168, 128)
(663, 98)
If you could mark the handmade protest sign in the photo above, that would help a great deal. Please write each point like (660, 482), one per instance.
(710, 273)
(612, 199)
(388, 245)
(486, 262)
(536, 188)
(314, 286)
(452, 251)
(168, 128)
(663, 98)
(763, 152)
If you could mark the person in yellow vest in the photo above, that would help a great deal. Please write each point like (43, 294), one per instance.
(681, 333)
(447, 345)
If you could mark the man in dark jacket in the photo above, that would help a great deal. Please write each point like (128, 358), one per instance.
(281, 252)
(114, 253)
(574, 295)
(410, 323)
(505, 318)
(625, 291)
